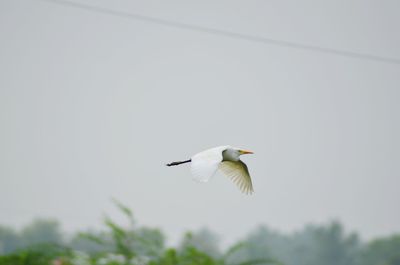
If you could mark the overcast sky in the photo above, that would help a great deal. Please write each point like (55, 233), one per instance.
(92, 106)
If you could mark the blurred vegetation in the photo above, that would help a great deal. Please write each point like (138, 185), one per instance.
(42, 242)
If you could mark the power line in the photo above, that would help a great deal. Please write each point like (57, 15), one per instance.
(230, 34)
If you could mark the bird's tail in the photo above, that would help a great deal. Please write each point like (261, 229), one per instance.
(178, 163)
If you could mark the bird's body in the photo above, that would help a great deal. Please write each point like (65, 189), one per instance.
(224, 158)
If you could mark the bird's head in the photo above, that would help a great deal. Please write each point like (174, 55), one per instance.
(233, 154)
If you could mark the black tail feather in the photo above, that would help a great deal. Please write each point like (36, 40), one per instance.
(178, 163)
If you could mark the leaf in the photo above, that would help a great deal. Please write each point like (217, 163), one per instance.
(124, 209)
(236, 247)
(93, 238)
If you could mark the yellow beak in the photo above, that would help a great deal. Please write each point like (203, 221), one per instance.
(244, 152)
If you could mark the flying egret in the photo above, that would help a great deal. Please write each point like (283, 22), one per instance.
(227, 160)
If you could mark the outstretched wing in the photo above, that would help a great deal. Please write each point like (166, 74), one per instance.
(238, 172)
(205, 164)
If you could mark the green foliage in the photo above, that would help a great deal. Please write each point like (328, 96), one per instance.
(41, 243)
(192, 256)
(38, 255)
(25, 258)
(129, 243)
(383, 251)
(9, 240)
(314, 245)
(90, 242)
(42, 231)
(203, 240)
(122, 239)
(146, 246)
(149, 242)
(327, 244)
(233, 256)
(189, 256)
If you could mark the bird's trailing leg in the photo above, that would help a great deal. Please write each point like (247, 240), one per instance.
(178, 163)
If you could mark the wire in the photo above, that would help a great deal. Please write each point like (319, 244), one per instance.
(235, 35)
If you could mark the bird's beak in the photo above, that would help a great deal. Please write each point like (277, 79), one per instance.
(244, 152)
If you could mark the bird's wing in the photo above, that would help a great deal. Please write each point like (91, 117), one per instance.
(238, 172)
(205, 164)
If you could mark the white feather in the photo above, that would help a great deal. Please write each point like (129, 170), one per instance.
(205, 164)
(238, 172)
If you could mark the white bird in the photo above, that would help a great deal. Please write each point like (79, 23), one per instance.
(225, 158)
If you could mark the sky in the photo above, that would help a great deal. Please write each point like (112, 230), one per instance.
(93, 105)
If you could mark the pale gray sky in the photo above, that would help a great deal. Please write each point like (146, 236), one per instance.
(92, 106)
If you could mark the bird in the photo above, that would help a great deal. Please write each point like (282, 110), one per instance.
(226, 159)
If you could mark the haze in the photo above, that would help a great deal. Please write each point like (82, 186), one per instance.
(92, 106)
